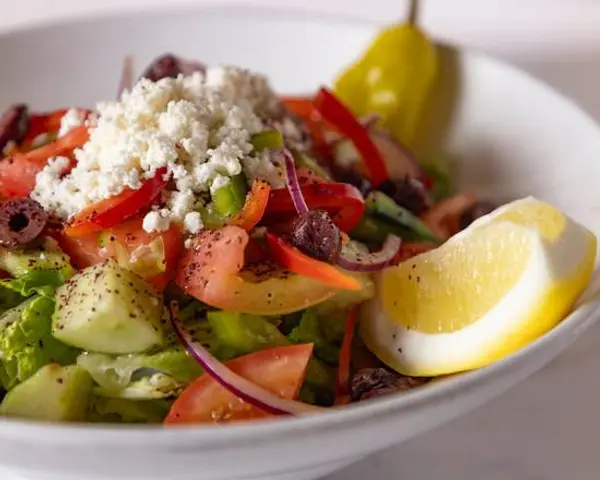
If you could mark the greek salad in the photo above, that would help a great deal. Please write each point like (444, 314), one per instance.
(198, 250)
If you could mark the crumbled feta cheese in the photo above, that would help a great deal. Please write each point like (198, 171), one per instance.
(199, 127)
(73, 118)
(193, 222)
(260, 167)
(157, 220)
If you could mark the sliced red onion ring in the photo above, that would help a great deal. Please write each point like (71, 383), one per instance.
(291, 180)
(242, 388)
(370, 262)
(126, 81)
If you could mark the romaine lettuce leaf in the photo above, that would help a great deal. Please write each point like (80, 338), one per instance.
(8, 299)
(309, 331)
(241, 334)
(118, 410)
(118, 373)
(26, 344)
(42, 282)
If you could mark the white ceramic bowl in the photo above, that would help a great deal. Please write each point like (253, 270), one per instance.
(513, 135)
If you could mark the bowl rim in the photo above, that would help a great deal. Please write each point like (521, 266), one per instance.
(209, 437)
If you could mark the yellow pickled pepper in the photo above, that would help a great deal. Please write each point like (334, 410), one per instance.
(393, 79)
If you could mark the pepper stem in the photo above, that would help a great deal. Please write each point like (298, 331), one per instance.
(413, 12)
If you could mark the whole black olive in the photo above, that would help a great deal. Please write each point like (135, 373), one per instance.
(21, 221)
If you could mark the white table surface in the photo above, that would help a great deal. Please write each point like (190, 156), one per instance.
(546, 428)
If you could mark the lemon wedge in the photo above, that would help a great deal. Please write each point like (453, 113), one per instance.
(493, 288)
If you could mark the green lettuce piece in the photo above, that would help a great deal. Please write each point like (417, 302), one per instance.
(309, 331)
(319, 384)
(42, 282)
(9, 299)
(117, 373)
(118, 410)
(154, 386)
(44, 257)
(242, 334)
(26, 343)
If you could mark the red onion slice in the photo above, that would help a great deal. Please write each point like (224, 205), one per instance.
(370, 262)
(242, 388)
(126, 81)
(291, 180)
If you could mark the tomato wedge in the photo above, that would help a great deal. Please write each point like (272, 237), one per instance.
(153, 256)
(254, 208)
(212, 270)
(115, 210)
(279, 370)
(290, 257)
(343, 387)
(335, 112)
(342, 201)
(18, 172)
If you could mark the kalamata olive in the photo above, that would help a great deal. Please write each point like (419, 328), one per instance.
(374, 382)
(474, 212)
(408, 193)
(354, 178)
(14, 124)
(315, 234)
(21, 221)
(162, 67)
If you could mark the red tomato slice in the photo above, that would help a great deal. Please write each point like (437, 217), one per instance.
(288, 256)
(279, 370)
(115, 210)
(212, 271)
(17, 173)
(344, 203)
(42, 123)
(128, 242)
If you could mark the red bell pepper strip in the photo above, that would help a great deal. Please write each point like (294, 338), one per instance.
(42, 123)
(342, 201)
(289, 257)
(112, 211)
(343, 385)
(335, 112)
(18, 172)
(254, 208)
(307, 177)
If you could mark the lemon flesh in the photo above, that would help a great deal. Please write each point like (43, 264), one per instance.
(488, 291)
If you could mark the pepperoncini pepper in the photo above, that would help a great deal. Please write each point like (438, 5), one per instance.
(392, 79)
